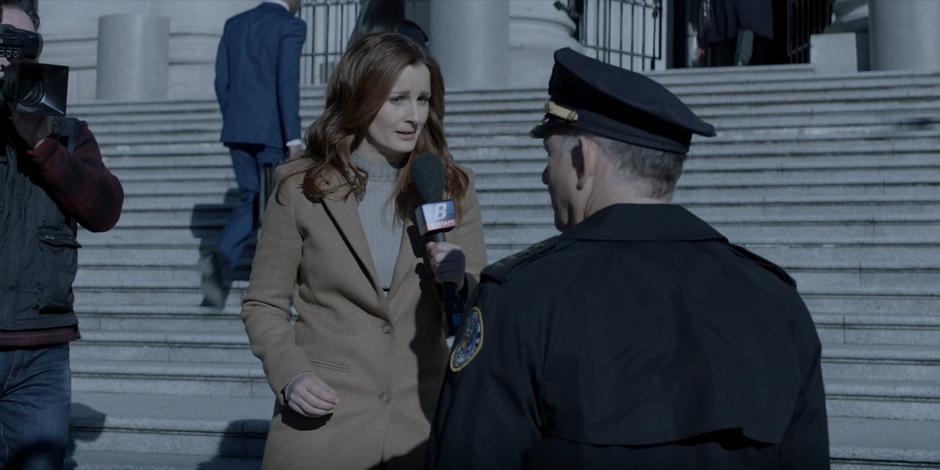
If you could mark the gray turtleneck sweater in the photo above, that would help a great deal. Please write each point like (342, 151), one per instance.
(377, 213)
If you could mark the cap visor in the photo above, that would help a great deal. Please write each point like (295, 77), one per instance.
(546, 127)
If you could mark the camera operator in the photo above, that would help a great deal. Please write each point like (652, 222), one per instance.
(49, 181)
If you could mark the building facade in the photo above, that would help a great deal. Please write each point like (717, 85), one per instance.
(479, 43)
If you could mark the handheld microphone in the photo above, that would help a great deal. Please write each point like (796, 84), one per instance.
(435, 217)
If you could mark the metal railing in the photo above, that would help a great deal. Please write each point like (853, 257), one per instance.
(804, 19)
(625, 33)
(330, 23)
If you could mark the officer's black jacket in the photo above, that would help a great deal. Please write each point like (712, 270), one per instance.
(638, 339)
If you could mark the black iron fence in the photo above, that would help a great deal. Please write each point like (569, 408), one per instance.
(804, 19)
(330, 23)
(626, 33)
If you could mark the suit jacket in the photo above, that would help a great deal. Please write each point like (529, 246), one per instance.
(384, 356)
(257, 76)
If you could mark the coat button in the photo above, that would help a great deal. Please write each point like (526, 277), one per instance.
(384, 398)
(386, 328)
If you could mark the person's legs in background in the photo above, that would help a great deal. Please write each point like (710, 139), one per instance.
(35, 407)
(268, 159)
(745, 48)
(239, 227)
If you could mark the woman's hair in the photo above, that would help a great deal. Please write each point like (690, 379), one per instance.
(358, 87)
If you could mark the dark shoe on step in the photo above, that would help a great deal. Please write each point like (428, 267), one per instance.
(213, 281)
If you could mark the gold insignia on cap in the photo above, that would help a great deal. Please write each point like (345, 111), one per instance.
(560, 111)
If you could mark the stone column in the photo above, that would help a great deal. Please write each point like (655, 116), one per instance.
(903, 34)
(469, 38)
(195, 30)
(70, 33)
(537, 30)
(133, 57)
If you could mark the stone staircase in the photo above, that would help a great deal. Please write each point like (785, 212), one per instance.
(837, 178)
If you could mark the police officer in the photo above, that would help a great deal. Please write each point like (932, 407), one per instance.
(639, 337)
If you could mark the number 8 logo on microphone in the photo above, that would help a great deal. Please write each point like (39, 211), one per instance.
(440, 211)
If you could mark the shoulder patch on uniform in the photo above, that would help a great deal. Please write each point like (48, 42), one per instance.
(470, 343)
(501, 268)
(764, 263)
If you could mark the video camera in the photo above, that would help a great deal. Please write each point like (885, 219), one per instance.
(32, 87)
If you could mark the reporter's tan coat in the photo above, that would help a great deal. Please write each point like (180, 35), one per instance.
(384, 356)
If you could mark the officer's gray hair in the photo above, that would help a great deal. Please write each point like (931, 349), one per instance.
(661, 169)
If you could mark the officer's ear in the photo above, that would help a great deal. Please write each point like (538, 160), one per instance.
(584, 158)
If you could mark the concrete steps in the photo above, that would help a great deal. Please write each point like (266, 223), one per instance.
(174, 347)
(881, 444)
(101, 294)
(91, 460)
(204, 427)
(212, 379)
(162, 318)
(895, 328)
(872, 303)
(882, 362)
(883, 399)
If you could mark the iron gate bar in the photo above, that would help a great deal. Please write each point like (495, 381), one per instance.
(804, 19)
(601, 16)
(330, 23)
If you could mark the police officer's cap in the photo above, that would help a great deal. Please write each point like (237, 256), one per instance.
(608, 101)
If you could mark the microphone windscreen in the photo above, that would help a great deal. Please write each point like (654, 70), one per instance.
(427, 173)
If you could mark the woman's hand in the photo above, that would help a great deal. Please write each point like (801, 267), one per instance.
(308, 395)
(447, 262)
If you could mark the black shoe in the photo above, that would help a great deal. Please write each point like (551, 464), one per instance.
(213, 281)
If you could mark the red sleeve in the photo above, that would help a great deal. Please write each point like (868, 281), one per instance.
(79, 182)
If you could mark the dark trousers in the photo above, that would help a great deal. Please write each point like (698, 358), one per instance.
(35, 404)
(247, 159)
(747, 49)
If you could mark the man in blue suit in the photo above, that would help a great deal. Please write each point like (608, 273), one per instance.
(257, 79)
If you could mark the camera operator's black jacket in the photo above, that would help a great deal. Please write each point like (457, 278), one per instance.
(38, 247)
(638, 339)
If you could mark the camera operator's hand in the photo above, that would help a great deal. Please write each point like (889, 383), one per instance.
(32, 128)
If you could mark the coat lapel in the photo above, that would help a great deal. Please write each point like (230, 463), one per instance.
(345, 215)
(408, 255)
